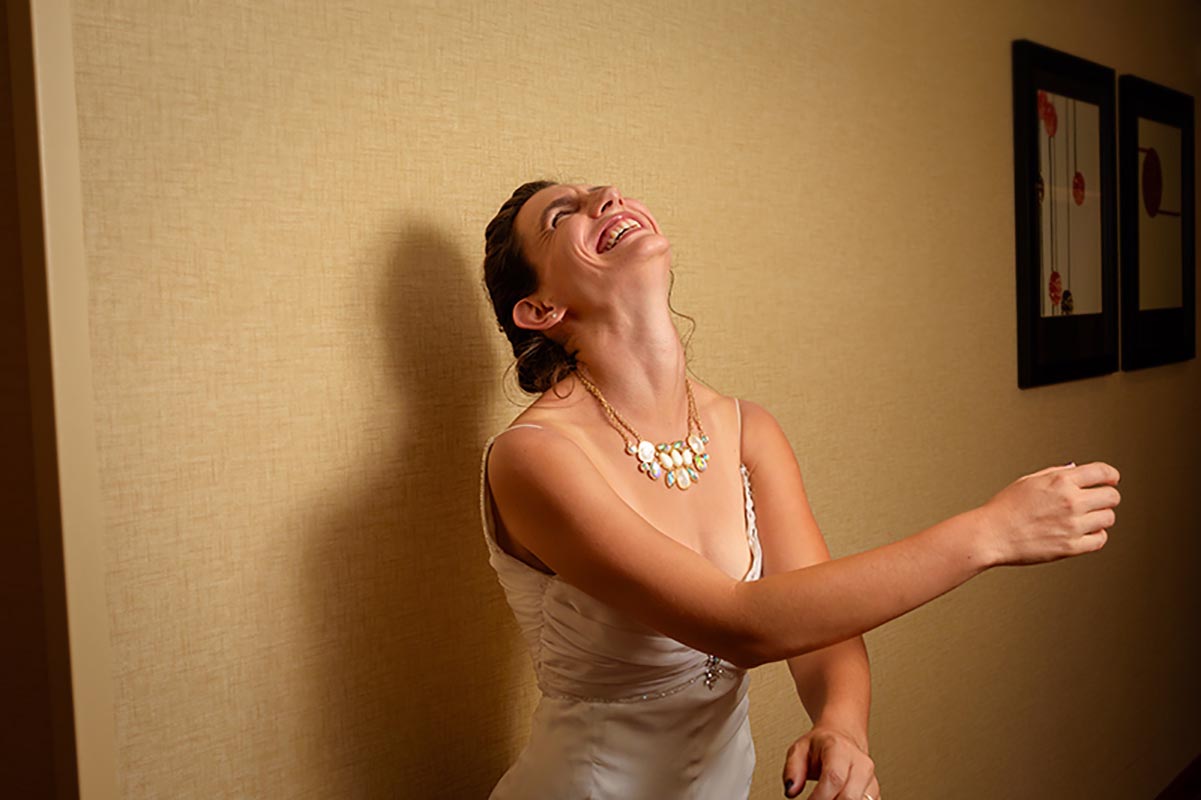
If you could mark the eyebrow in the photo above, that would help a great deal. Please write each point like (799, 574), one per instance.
(559, 202)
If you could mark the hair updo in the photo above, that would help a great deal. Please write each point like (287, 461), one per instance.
(509, 276)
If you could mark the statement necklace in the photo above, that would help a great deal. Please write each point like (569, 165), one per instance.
(681, 461)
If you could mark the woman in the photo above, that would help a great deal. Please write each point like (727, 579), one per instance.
(645, 573)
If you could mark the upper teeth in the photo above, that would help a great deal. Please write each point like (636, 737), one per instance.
(617, 230)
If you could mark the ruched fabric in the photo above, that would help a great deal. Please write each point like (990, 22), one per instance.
(626, 713)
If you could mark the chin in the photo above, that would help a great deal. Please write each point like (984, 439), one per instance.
(648, 247)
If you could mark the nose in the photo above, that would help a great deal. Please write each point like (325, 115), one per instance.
(606, 198)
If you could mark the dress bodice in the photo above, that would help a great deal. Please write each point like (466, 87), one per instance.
(625, 711)
(585, 649)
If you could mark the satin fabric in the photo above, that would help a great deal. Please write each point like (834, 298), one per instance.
(626, 713)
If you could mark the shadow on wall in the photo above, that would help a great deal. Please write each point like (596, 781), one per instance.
(403, 652)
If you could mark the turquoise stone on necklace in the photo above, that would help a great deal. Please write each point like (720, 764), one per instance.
(680, 463)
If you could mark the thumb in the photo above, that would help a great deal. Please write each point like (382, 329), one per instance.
(796, 769)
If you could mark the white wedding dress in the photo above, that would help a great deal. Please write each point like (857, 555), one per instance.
(626, 713)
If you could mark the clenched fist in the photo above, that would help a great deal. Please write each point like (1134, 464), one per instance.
(1051, 514)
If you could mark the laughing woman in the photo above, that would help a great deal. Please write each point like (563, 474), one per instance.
(654, 541)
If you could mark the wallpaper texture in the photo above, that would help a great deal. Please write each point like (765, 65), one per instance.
(296, 368)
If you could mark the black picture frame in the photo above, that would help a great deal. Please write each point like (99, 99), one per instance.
(1071, 341)
(1164, 332)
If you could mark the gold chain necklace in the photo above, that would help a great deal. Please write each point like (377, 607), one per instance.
(680, 461)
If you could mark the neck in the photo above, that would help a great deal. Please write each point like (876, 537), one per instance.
(637, 362)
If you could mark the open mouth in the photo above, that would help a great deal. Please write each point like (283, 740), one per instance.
(615, 232)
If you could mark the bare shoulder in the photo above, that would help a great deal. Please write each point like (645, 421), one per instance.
(528, 465)
(763, 438)
(530, 444)
(527, 461)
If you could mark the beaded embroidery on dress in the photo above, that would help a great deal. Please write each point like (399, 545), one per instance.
(625, 711)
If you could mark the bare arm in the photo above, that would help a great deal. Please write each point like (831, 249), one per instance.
(835, 686)
(556, 503)
(834, 683)
(802, 610)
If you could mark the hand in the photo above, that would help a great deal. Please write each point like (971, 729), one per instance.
(1052, 514)
(842, 768)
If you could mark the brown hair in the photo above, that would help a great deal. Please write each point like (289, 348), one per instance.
(509, 276)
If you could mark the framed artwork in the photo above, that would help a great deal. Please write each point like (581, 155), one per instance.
(1065, 207)
(1155, 159)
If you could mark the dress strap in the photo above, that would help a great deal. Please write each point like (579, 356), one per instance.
(738, 408)
(520, 425)
(492, 438)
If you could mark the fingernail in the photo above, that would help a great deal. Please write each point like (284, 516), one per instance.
(787, 786)
(1070, 464)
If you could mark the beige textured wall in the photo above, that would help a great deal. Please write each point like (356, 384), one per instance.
(295, 370)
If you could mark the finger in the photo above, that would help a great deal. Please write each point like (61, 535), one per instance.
(861, 774)
(1094, 474)
(1090, 542)
(836, 768)
(873, 788)
(1095, 520)
(796, 768)
(1100, 497)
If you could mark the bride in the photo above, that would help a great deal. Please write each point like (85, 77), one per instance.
(653, 538)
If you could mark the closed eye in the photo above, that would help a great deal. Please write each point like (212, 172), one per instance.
(555, 219)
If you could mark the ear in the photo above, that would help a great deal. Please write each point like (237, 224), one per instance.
(534, 315)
